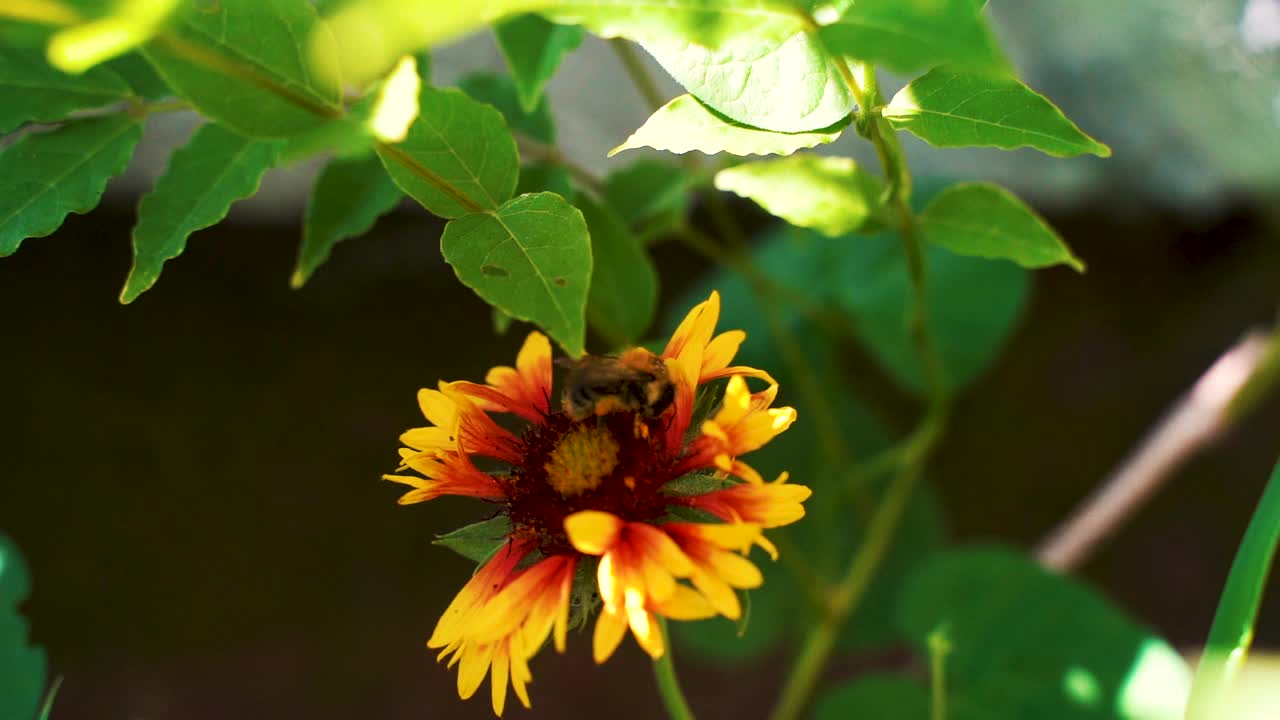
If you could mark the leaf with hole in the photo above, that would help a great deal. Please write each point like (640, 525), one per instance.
(986, 220)
(947, 107)
(238, 62)
(348, 198)
(684, 124)
(531, 259)
(22, 667)
(534, 48)
(911, 35)
(35, 92)
(212, 171)
(458, 158)
(829, 194)
(624, 283)
(46, 176)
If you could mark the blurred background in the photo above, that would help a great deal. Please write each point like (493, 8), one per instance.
(194, 478)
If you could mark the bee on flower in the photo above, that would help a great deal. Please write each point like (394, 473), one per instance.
(592, 485)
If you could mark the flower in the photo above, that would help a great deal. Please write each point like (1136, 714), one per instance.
(586, 488)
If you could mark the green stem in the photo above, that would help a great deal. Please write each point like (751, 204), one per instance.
(664, 670)
(939, 647)
(867, 560)
(639, 75)
(1232, 632)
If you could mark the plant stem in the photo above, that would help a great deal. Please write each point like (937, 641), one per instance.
(634, 65)
(939, 646)
(551, 155)
(866, 562)
(664, 671)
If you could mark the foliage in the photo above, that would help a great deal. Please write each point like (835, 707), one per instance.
(924, 287)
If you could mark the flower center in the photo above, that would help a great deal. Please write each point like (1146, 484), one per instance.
(581, 460)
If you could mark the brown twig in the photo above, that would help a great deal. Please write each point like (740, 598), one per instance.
(1201, 416)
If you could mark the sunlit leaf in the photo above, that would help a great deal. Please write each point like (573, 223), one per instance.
(685, 124)
(624, 283)
(1028, 643)
(534, 48)
(952, 108)
(788, 84)
(532, 259)
(458, 157)
(478, 541)
(44, 177)
(910, 35)
(986, 220)
(22, 667)
(349, 196)
(205, 177)
(395, 105)
(1233, 624)
(128, 24)
(829, 194)
(238, 62)
(33, 91)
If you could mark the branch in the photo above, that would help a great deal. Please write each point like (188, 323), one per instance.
(1231, 388)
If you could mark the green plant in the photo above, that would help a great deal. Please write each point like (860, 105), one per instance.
(929, 281)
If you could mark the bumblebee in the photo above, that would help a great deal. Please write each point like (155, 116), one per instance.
(637, 380)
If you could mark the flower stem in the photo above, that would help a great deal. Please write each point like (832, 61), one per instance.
(664, 671)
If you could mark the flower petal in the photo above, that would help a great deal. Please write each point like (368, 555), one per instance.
(611, 625)
(592, 531)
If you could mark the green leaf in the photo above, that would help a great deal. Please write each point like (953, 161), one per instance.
(1026, 643)
(788, 84)
(1233, 624)
(141, 76)
(829, 194)
(889, 697)
(947, 107)
(911, 35)
(988, 221)
(347, 136)
(458, 158)
(216, 168)
(974, 306)
(22, 667)
(349, 196)
(477, 541)
(649, 192)
(534, 49)
(531, 259)
(884, 697)
(239, 62)
(696, 484)
(624, 283)
(544, 178)
(685, 124)
(500, 92)
(43, 177)
(35, 92)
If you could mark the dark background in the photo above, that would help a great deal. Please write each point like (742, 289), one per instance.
(194, 478)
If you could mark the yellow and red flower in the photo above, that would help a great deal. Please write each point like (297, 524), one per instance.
(577, 492)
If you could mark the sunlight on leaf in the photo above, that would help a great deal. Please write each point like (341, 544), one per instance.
(910, 35)
(397, 104)
(684, 124)
(40, 11)
(130, 24)
(829, 194)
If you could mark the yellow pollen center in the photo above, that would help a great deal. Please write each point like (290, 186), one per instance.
(581, 460)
